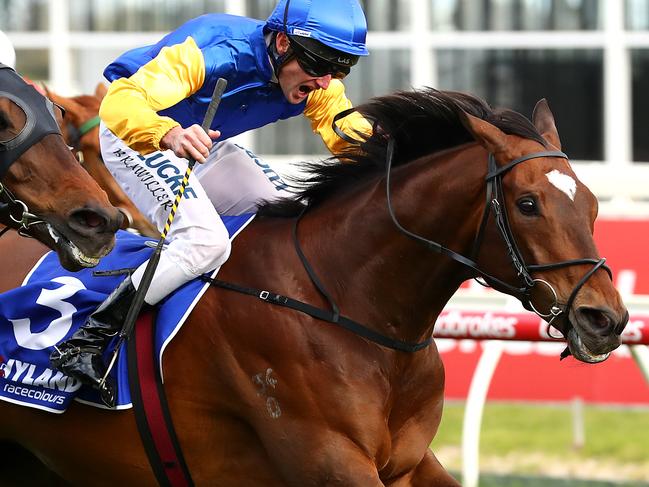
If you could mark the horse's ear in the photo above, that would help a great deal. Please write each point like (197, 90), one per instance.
(487, 135)
(101, 90)
(72, 108)
(52, 96)
(544, 123)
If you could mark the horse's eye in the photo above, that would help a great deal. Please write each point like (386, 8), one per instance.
(527, 206)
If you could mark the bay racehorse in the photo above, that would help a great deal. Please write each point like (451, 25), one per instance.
(81, 131)
(44, 193)
(445, 189)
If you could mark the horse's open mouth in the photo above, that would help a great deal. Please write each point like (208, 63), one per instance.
(579, 350)
(67, 250)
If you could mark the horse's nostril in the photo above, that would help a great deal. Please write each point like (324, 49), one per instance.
(89, 218)
(598, 319)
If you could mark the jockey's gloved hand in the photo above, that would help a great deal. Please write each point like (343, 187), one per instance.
(190, 143)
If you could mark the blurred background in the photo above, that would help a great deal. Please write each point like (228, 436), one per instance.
(590, 59)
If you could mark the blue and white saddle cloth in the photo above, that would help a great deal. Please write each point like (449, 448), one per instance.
(52, 303)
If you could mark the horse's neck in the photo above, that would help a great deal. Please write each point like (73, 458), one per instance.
(376, 273)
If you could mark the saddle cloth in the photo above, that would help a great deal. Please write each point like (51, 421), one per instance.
(52, 303)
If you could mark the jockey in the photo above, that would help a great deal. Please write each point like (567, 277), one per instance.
(7, 51)
(291, 64)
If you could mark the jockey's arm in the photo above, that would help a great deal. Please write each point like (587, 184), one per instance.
(130, 107)
(321, 108)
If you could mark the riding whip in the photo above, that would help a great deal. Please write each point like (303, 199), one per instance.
(149, 271)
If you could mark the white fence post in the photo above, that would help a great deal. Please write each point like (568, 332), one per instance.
(617, 87)
(640, 354)
(475, 401)
(578, 434)
(60, 48)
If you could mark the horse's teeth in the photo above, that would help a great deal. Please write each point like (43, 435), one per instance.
(79, 256)
(82, 258)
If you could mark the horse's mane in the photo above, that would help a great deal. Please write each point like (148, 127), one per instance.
(420, 122)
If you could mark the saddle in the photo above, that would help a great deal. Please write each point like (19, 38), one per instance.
(52, 303)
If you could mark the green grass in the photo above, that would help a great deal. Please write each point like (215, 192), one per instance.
(612, 435)
(514, 481)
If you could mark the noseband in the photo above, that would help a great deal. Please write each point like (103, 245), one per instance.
(496, 203)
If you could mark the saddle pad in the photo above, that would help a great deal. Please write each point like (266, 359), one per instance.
(52, 303)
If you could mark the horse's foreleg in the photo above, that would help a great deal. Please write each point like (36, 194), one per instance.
(428, 473)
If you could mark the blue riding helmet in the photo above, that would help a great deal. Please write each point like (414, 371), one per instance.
(327, 37)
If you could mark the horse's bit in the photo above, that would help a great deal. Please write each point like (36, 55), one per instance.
(495, 202)
(39, 122)
(15, 214)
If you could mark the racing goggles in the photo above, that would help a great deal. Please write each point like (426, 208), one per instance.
(317, 66)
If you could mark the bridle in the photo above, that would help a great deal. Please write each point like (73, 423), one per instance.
(39, 122)
(78, 133)
(15, 214)
(495, 202)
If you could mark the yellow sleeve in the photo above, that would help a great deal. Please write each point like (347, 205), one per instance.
(323, 105)
(130, 107)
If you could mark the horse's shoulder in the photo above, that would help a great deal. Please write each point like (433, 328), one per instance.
(263, 233)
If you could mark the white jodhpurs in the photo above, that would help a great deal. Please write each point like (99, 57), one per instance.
(236, 180)
(197, 241)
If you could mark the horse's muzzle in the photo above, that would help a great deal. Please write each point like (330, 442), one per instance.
(595, 332)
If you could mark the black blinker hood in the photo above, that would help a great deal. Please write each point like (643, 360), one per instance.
(39, 114)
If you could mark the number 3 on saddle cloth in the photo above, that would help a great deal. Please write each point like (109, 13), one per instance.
(52, 303)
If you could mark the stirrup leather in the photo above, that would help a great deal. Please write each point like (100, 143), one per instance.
(70, 352)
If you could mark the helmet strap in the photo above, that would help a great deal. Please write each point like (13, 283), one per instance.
(278, 60)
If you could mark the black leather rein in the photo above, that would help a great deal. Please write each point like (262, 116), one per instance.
(495, 201)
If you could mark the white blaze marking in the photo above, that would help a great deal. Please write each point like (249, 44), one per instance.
(563, 183)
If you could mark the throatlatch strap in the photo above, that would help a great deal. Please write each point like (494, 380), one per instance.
(151, 409)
